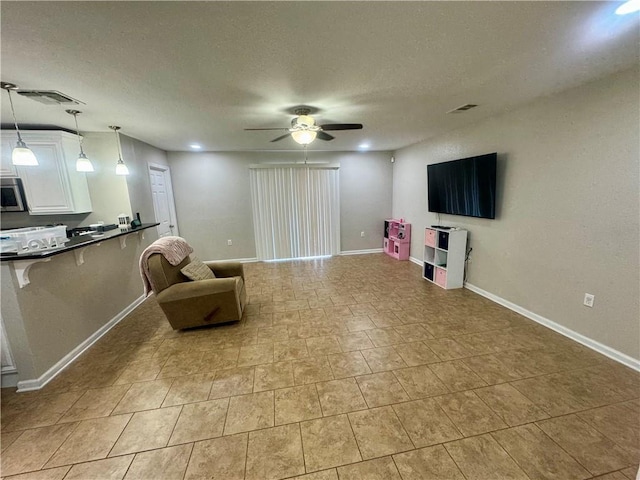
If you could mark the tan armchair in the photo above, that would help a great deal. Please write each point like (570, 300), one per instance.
(187, 303)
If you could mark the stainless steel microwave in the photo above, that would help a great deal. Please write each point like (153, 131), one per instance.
(12, 195)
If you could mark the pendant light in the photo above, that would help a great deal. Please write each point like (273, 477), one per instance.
(121, 168)
(21, 155)
(83, 164)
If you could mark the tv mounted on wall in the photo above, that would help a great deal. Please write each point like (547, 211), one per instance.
(463, 187)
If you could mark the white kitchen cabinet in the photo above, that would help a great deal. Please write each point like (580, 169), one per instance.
(54, 186)
(7, 168)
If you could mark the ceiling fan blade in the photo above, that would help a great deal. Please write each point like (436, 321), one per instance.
(281, 137)
(283, 128)
(342, 126)
(324, 136)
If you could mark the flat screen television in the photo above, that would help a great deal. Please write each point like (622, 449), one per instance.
(463, 187)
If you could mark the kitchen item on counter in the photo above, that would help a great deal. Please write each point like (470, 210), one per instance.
(124, 221)
(34, 239)
(74, 232)
(93, 228)
(136, 222)
(12, 195)
(8, 245)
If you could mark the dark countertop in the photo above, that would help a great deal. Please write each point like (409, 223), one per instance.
(74, 243)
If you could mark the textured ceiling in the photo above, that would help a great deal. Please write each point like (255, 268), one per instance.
(173, 73)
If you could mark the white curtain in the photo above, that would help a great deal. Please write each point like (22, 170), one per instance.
(295, 211)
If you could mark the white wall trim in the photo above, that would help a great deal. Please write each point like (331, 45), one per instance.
(8, 372)
(578, 337)
(241, 260)
(556, 327)
(64, 362)
(9, 378)
(415, 260)
(361, 252)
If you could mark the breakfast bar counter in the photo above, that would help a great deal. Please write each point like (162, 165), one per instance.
(23, 261)
(56, 302)
(79, 241)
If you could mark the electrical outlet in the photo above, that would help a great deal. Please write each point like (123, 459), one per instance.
(229, 242)
(588, 299)
(362, 234)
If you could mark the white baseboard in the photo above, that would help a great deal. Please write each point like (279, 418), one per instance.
(64, 362)
(415, 260)
(567, 332)
(241, 260)
(9, 378)
(361, 252)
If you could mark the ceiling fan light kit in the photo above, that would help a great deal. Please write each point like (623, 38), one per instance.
(304, 130)
(304, 137)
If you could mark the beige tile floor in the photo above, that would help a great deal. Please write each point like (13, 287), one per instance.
(342, 368)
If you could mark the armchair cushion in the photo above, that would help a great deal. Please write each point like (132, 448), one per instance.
(197, 270)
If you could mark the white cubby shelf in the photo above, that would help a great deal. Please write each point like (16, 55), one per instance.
(444, 255)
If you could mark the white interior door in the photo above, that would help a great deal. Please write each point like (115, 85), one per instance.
(163, 204)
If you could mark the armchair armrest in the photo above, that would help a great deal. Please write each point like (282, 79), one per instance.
(226, 269)
(200, 288)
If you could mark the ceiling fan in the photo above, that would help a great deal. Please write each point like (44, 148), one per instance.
(304, 129)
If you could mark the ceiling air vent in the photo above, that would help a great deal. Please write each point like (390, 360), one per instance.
(49, 97)
(463, 108)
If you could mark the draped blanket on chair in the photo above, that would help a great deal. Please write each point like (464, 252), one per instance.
(174, 249)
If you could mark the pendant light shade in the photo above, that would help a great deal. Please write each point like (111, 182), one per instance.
(83, 164)
(21, 155)
(121, 168)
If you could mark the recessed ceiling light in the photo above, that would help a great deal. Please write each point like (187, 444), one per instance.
(195, 146)
(364, 146)
(628, 7)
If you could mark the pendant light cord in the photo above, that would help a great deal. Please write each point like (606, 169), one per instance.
(13, 112)
(80, 139)
(119, 146)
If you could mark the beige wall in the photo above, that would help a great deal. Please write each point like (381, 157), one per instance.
(138, 155)
(568, 210)
(365, 199)
(65, 304)
(109, 194)
(213, 198)
(108, 191)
